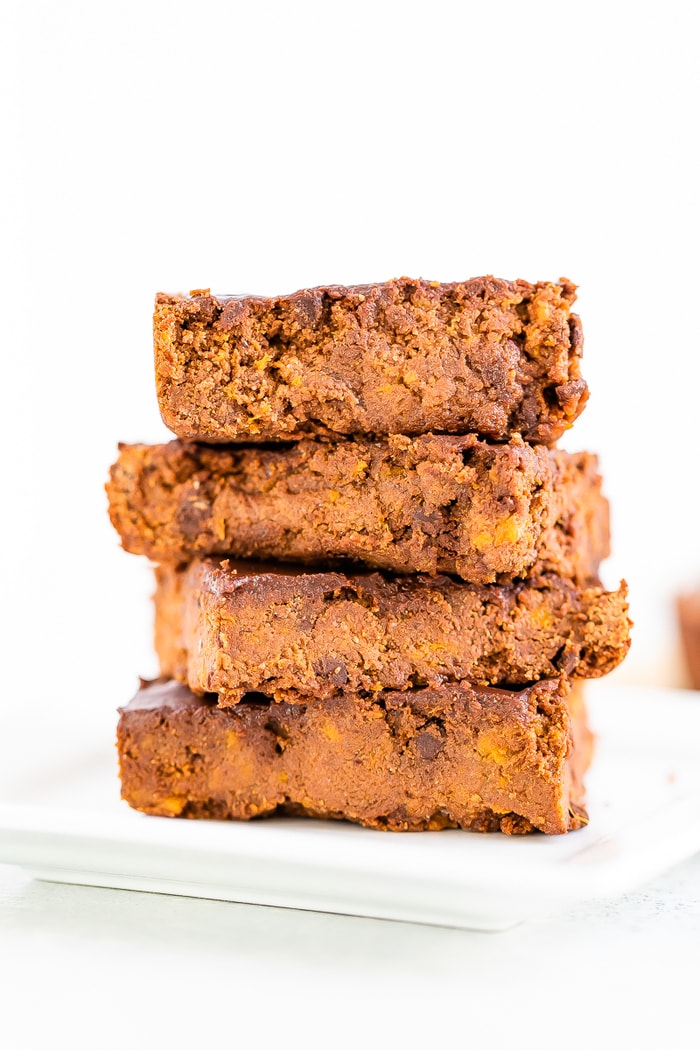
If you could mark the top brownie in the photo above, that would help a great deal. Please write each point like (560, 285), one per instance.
(496, 358)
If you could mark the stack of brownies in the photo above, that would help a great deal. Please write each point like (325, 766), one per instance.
(376, 576)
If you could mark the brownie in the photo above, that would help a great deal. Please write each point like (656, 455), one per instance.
(435, 503)
(688, 619)
(453, 756)
(231, 628)
(406, 357)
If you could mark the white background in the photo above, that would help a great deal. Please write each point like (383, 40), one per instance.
(264, 147)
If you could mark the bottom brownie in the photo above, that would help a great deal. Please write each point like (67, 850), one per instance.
(482, 759)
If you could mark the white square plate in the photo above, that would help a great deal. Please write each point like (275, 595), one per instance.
(68, 824)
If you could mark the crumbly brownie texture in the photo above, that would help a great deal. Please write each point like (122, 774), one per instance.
(406, 357)
(227, 629)
(429, 504)
(480, 759)
(688, 618)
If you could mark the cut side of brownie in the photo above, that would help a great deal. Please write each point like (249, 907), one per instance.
(456, 756)
(232, 628)
(431, 504)
(405, 357)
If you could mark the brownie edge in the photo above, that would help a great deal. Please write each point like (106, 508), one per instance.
(480, 759)
(234, 627)
(488, 356)
(429, 504)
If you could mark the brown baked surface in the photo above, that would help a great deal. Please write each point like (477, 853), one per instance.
(406, 357)
(230, 629)
(435, 503)
(457, 756)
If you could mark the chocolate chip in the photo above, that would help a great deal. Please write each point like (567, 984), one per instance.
(333, 669)
(429, 746)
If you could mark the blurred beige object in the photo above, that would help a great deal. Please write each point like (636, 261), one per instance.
(688, 614)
